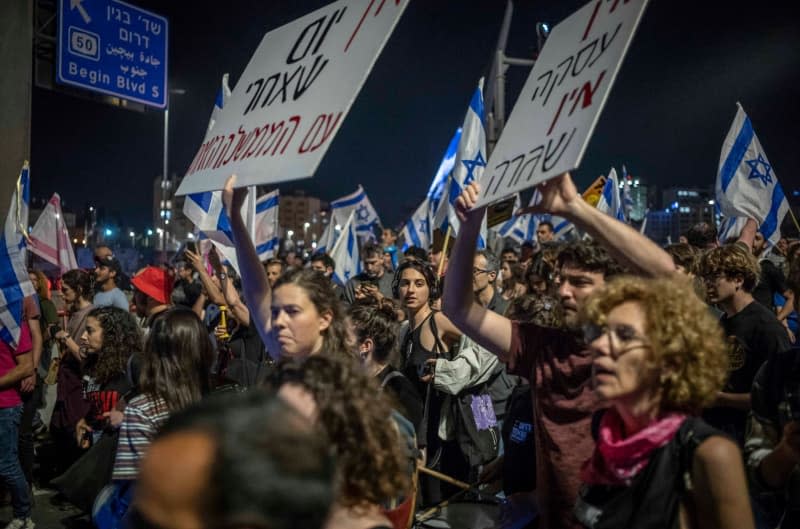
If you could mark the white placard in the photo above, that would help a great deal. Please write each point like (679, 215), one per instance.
(554, 117)
(293, 96)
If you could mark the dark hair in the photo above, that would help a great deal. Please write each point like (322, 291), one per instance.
(588, 256)
(702, 235)
(510, 249)
(517, 277)
(377, 321)
(80, 281)
(356, 416)
(177, 359)
(732, 260)
(424, 268)
(326, 260)
(271, 468)
(121, 338)
(415, 252)
(547, 223)
(273, 261)
(683, 255)
(370, 250)
(545, 311)
(319, 290)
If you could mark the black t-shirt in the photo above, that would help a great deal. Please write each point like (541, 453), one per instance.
(243, 356)
(753, 334)
(771, 281)
(407, 399)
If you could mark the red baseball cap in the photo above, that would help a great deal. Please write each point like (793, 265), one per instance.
(155, 282)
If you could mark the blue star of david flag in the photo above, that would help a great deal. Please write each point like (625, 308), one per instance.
(469, 165)
(610, 201)
(366, 218)
(345, 252)
(439, 183)
(267, 229)
(14, 282)
(416, 231)
(746, 185)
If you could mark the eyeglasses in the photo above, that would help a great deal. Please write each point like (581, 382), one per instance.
(623, 338)
(479, 271)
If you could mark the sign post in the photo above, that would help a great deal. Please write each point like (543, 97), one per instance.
(114, 48)
(559, 106)
(293, 96)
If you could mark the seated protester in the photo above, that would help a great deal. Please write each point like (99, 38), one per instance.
(658, 360)
(151, 295)
(274, 269)
(376, 328)
(372, 465)
(244, 460)
(374, 281)
(111, 336)
(106, 271)
(187, 288)
(772, 444)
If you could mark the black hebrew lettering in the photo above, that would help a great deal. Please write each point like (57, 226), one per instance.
(552, 156)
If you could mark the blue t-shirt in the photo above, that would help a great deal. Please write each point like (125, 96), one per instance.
(111, 298)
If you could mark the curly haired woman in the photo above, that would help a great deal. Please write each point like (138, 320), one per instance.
(111, 335)
(372, 467)
(659, 358)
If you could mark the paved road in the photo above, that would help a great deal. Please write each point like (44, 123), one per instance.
(50, 513)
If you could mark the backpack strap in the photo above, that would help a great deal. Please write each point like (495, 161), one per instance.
(390, 376)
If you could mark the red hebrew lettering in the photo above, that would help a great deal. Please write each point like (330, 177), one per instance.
(558, 113)
(324, 124)
(591, 20)
(363, 17)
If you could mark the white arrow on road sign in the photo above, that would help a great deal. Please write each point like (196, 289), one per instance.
(77, 3)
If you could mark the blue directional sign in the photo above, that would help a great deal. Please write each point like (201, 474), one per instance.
(115, 48)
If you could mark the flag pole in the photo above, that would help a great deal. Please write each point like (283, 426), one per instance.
(444, 250)
(794, 219)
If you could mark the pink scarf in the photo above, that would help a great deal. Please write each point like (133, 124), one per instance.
(616, 460)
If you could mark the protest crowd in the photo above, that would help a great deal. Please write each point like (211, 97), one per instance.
(556, 369)
(596, 381)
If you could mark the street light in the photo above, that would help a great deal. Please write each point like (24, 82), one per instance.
(132, 235)
(165, 176)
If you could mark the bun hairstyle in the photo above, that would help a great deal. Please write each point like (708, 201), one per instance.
(424, 268)
(376, 320)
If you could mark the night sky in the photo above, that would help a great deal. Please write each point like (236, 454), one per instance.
(666, 117)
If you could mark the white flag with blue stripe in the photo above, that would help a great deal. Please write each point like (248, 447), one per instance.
(219, 103)
(469, 165)
(366, 218)
(746, 184)
(15, 284)
(267, 230)
(610, 201)
(438, 190)
(417, 229)
(345, 252)
(730, 229)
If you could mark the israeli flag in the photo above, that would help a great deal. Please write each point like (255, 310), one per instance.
(267, 230)
(730, 228)
(219, 103)
(328, 238)
(519, 228)
(417, 230)
(439, 184)
(15, 284)
(345, 252)
(746, 184)
(469, 166)
(610, 202)
(366, 218)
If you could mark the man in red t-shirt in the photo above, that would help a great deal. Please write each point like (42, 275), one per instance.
(554, 360)
(16, 364)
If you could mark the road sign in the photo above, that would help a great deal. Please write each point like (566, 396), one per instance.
(113, 47)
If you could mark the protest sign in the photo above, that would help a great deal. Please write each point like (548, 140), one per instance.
(293, 96)
(555, 114)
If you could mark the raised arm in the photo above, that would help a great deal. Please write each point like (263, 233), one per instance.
(626, 245)
(255, 286)
(485, 327)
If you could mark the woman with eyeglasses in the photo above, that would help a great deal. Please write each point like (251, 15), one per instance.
(659, 358)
